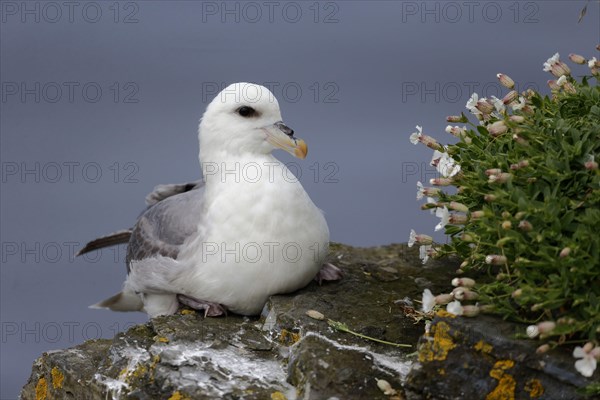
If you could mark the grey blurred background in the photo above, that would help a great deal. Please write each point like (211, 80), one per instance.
(100, 101)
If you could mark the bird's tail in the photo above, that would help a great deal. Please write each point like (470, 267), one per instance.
(122, 301)
(113, 239)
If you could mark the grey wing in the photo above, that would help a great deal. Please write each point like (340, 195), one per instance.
(164, 226)
(162, 192)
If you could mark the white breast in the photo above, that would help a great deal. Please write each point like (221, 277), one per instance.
(263, 235)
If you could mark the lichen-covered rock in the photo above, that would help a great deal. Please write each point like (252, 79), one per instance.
(284, 354)
(480, 358)
(287, 354)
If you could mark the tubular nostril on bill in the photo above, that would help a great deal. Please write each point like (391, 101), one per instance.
(285, 129)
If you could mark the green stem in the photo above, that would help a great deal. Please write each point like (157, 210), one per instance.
(340, 326)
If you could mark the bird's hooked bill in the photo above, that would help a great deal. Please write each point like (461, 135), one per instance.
(282, 137)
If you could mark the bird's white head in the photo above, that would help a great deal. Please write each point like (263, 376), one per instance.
(244, 118)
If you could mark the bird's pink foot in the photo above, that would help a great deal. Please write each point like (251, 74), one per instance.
(210, 309)
(329, 272)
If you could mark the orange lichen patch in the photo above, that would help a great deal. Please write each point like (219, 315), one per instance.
(278, 396)
(498, 371)
(534, 388)
(445, 314)
(57, 378)
(288, 337)
(161, 339)
(483, 347)
(438, 348)
(41, 389)
(505, 390)
(178, 396)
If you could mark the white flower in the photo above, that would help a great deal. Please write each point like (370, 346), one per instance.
(424, 252)
(592, 62)
(532, 331)
(420, 190)
(561, 81)
(551, 61)
(498, 104)
(519, 106)
(412, 238)
(428, 300)
(455, 308)
(444, 216)
(587, 365)
(472, 104)
(437, 155)
(447, 166)
(431, 200)
(414, 137)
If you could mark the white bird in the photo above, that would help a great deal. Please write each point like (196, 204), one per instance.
(247, 231)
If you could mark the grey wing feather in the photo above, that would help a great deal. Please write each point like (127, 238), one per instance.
(164, 226)
(113, 239)
(162, 192)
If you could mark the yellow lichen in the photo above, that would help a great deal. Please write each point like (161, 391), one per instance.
(161, 339)
(442, 371)
(534, 388)
(440, 346)
(57, 378)
(505, 390)
(187, 312)
(444, 314)
(41, 389)
(278, 396)
(288, 337)
(483, 347)
(178, 396)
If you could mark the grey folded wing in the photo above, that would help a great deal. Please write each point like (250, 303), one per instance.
(161, 192)
(164, 226)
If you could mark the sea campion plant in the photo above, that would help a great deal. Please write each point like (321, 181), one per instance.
(525, 216)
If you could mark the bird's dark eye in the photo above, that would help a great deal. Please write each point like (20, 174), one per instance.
(246, 111)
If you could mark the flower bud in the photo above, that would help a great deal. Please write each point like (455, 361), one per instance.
(520, 140)
(588, 347)
(559, 69)
(493, 171)
(596, 352)
(456, 131)
(569, 88)
(463, 293)
(485, 106)
(525, 226)
(517, 118)
(457, 118)
(517, 293)
(565, 252)
(520, 215)
(477, 214)
(465, 282)
(553, 85)
(546, 326)
(470, 311)
(506, 81)
(490, 198)
(505, 214)
(495, 259)
(510, 97)
(443, 299)
(591, 165)
(441, 181)
(506, 225)
(577, 59)
(542, 349)
(497, 128)
(458, 219)
(501, 178)
(458, 206)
